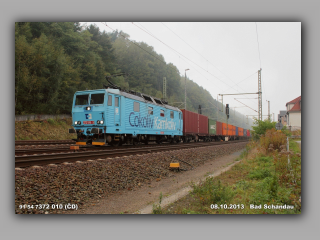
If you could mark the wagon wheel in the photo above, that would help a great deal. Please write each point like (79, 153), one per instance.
(115, 143)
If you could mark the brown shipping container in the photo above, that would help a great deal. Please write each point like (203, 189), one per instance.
(194, 123)
(219, 128)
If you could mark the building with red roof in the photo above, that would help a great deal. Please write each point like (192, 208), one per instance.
(294, 113)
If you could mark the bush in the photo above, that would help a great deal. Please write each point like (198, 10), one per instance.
(51, 121)
(273, 137)
(259, 174)
(261, 128)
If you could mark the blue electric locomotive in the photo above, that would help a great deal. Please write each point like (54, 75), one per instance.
(115, 117)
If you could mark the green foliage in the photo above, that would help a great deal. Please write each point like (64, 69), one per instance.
(51, 121)
(212, 191)
(156, 208)
(259, 173)
(286, 131)
(260, 127)
(53, 60)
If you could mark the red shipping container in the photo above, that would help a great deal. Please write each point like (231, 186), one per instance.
(219, 128)
(248, 133)
(194, 123)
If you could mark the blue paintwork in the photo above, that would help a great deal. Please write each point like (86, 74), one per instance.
(123, 119)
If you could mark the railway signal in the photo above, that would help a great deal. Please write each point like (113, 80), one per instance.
(227, 110)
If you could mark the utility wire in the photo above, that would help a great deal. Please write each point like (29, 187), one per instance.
(148, 32)
(136, 44)
(208, 60)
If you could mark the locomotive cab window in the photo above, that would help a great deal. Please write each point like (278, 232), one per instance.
(82, 99)
(136, 106)
(150, 110)
(171, 114)
(116, 101)
(110, 100)
(161, 113)
(97, 98)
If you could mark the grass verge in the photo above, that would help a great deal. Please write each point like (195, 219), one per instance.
(51, 129)
(266, 181)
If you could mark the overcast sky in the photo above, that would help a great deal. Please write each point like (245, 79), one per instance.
(224, 57)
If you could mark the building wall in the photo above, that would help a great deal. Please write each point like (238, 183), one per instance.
(295, 119)
(283, 120)
(289, 106)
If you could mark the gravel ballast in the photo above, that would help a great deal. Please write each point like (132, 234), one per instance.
(81, 183)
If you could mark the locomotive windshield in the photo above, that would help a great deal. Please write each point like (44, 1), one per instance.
(97, 98)
(82, 99)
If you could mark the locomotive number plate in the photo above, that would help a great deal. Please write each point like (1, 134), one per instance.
(88, 122)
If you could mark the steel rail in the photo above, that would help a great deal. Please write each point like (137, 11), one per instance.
(43, 142)
(30, 160)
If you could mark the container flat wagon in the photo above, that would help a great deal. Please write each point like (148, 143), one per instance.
(195, 126)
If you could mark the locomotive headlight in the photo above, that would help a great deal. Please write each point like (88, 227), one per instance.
(75, 123)
(88, 108)
(98, 122)
(101, 122)
(79, 122)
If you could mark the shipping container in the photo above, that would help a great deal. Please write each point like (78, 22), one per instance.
(245, 132)
(194, 123)
(212, 127)
(203, 125)
(240, 131)
(224, 129)
(229, 131)
(219, 128)
(248, 133)
(237, 131)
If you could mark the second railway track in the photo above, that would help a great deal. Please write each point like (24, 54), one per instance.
(31, 160)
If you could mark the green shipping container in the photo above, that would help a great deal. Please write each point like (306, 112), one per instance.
(212, 127)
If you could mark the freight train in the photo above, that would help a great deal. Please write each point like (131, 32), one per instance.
(114, 116)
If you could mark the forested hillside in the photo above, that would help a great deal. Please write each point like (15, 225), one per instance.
(53, 60)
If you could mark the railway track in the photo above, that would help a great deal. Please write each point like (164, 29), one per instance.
(43, 142)
(31, 160)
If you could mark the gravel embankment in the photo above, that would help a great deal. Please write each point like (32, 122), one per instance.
(81, 183)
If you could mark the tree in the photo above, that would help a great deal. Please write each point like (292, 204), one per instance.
(260, 127)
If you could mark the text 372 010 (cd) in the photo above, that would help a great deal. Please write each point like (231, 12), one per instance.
(68, 206)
